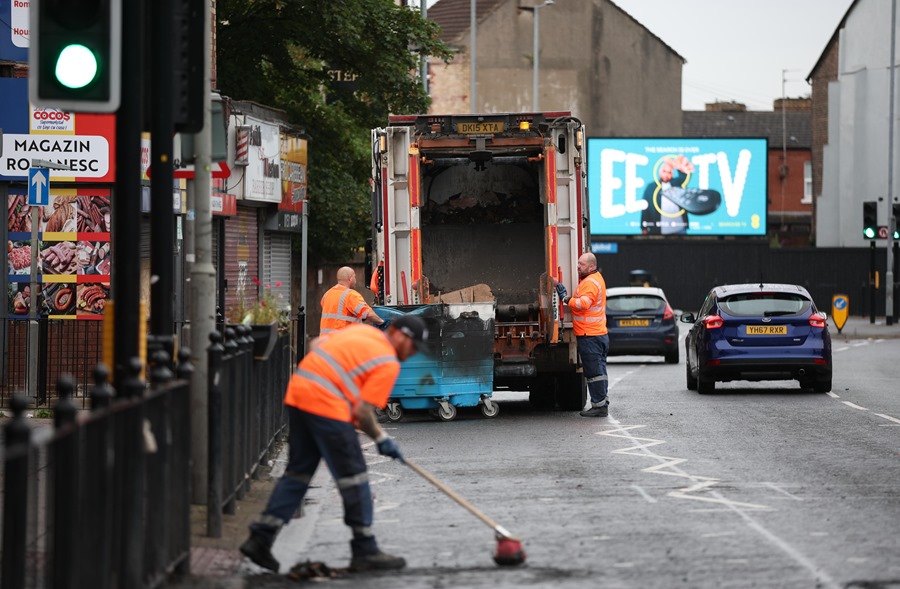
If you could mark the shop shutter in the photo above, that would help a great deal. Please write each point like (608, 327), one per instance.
(241, 261)
(277, 265)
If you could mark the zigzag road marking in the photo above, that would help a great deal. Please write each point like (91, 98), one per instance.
(667, 466)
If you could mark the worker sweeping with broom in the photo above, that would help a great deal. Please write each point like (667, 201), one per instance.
(338, 385)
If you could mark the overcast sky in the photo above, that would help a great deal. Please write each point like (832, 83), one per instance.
(737, 49)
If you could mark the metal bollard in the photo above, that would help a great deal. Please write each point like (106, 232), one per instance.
(214, 411)
(15, 494)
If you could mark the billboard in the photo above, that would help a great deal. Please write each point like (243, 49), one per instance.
(677, 186)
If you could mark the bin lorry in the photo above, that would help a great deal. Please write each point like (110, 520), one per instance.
(485, 209)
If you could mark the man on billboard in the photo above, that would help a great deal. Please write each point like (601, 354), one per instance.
(669, 201)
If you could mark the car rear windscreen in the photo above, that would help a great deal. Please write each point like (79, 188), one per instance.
(634, 304)
(765, 303)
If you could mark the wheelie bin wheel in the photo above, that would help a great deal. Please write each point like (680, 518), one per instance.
(446, 412)
(394, 411)
(489, 408)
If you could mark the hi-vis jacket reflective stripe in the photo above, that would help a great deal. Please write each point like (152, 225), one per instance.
(348, 366)
(588, 306)
(342, 306)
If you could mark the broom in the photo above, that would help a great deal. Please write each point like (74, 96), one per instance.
(509, 548)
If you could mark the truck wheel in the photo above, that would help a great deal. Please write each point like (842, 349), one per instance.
(540, 393)
(571, 392)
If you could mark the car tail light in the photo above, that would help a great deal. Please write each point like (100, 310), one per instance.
(668, 313)
(817, 320)
(713, 322)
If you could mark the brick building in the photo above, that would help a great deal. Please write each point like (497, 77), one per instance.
(596, 60)
(789, 140)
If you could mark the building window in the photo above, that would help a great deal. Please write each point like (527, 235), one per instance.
(807, 183)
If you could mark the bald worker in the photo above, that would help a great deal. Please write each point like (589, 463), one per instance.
(343, 306)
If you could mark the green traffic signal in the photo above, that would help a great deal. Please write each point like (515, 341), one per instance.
(870, 219)
(74, 59)
(76, 66)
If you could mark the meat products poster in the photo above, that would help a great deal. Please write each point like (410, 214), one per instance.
(73, 254)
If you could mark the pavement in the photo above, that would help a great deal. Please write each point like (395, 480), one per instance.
(864, 328)
(216, 563)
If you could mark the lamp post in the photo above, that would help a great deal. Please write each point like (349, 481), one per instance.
(537, 28)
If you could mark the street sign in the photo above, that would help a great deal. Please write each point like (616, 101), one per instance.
(217, 170)
(38, 187)
(840, 308)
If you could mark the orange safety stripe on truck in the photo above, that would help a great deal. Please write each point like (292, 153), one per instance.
(578, 207)
(386, 232)
(552, 228)
(415, 233)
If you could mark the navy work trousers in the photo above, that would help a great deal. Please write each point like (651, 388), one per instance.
(593, 350)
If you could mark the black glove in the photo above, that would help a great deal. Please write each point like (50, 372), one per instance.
(561, 291)
(388, 447)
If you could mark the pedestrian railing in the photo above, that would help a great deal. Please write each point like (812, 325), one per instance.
(246, 416)
(101, 498)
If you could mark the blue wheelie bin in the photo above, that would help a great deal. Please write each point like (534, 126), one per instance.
(456, 366)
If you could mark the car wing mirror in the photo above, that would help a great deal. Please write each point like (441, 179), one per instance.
(687, 318)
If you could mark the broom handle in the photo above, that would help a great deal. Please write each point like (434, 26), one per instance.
(456, 497)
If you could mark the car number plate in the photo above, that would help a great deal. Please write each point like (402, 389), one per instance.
(479, 128)
(634, 322)
(767, 330)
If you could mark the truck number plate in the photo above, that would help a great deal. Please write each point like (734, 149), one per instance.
(634, 322)
(478, 128)
(767, 330)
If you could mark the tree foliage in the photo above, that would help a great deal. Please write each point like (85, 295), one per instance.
(279, 53)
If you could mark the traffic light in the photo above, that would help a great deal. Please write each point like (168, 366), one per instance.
(870, 219)
(74, 59)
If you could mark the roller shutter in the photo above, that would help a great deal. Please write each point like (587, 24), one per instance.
(277, 265)
(241, 260)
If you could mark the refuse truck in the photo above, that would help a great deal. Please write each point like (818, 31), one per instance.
(476, 215)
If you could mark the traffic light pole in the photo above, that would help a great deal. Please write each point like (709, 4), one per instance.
(126, 210)
(892, 222)
(162, 242)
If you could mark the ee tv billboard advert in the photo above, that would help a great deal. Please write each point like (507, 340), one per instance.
(678, 186)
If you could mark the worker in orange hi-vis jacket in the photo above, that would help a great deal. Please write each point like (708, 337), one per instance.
(342, 306)
(336, 388)
(588, 307)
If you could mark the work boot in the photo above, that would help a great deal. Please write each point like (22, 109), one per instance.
(259, 550)
(377, 561)
(596, 412)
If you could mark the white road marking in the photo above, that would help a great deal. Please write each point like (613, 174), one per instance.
(823, 579)
(854, 405)
(888, 417)
(858, 344)
(841, 349)
(832, 395)
(778, 488)
(643, 493)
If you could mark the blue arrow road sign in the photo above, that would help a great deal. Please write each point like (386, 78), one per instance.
(38, 187)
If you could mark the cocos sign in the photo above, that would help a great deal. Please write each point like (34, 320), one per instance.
(51, 115)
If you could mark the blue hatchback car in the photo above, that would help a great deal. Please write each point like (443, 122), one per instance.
(640, 321)
(758, 332)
